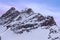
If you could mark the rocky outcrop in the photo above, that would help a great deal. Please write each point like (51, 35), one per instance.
(17, 20)
(9, 12)
(49, 22)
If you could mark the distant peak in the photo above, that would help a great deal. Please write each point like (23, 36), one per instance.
(10, 11)
(29, 10)
(12, 8)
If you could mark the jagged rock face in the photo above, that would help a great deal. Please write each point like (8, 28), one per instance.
(29, 10)
(25, 20)
(49, 22)
(9, 15)
(40, 18)
(8, 12)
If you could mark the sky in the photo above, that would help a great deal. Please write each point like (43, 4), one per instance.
(45, 7)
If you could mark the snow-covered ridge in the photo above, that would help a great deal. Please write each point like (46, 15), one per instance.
(27, 20)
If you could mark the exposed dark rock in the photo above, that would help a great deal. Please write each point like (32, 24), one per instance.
(49, 22)
(27, 30)
(29, 10)
(40, 18)
(19, 18)
(52, 31)
(28, 25)
(56, 38)
(8, 26)
(49, 36)
(10, 15)
(20, 32)
(8, 12)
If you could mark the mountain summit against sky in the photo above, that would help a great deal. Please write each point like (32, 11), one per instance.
(12, 13)
(27, 20)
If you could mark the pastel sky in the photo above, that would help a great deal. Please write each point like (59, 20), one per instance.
(45, 7)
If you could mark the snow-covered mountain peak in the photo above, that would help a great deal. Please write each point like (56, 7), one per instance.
(26, 21)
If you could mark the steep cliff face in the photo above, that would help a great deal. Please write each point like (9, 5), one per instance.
(27, 20)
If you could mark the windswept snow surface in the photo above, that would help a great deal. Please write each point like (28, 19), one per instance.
(37, 34)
